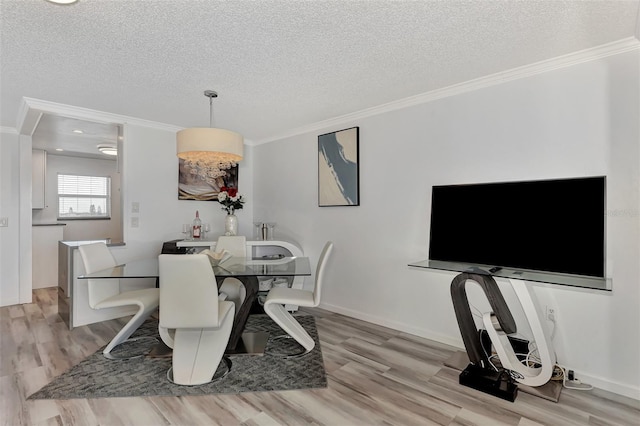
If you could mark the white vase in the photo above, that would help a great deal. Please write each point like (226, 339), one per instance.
(231, 225)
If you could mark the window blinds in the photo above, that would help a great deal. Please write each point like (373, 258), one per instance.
(83, 197)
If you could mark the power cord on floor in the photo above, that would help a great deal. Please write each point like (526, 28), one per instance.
(566, 382)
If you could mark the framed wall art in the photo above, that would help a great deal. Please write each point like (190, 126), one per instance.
(191, 186)
(338, 168)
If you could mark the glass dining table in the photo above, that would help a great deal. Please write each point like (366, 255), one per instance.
(246, 270)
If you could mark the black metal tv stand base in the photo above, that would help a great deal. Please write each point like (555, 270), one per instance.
(496, 383)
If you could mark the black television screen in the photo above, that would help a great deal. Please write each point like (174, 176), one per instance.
(553, 226)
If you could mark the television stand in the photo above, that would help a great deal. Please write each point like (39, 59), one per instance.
(481, 374)
(499, 323)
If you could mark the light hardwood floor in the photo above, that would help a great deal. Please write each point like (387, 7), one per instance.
(376, 376)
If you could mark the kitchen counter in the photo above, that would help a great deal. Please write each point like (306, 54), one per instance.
(44, 243)
(107, 241)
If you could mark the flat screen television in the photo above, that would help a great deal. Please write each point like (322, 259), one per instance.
(555, 226)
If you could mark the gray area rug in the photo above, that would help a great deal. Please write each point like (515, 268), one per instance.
(97, 377)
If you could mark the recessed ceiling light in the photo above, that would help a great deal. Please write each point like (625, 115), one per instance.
(59, 149)
(108, 149)
(78, 131)
(62, 1)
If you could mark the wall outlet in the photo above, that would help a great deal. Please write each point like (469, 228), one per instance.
(135, 207)
(4, 222)
(135, 222)
(551, 313)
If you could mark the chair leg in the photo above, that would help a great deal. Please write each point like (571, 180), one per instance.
(227, 363)
(109, 355)
(126, 332)
(288, 323)
(197, 352)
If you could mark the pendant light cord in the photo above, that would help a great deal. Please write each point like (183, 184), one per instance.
(211, 111)
(210, 94)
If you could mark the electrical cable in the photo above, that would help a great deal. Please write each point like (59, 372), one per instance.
(487, 355)
(531, 359)
(574, 384)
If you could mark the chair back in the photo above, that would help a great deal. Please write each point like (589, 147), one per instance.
(96, 257)
(322, 262)
(236, 245)
(188, 292)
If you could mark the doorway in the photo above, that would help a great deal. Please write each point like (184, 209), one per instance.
(82, 150)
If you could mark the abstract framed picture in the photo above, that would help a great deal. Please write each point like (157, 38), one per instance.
(191, 186)
(338, 168)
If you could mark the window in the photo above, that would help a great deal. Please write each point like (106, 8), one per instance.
(84, 197)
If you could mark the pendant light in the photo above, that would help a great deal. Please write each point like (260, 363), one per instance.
(209, 151)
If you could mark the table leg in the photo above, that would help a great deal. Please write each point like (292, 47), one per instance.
(242, 314)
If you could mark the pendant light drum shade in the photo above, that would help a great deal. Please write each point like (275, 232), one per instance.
(210, 144)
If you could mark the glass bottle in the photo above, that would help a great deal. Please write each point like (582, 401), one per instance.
(197, 227)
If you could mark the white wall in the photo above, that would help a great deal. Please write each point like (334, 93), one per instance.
(81, 229)
(576, 121)
(9, 208)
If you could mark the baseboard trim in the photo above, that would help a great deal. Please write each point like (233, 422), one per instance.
(10, 301)
(395, 325)
(618, 388)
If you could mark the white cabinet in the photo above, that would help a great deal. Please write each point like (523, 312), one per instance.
(38, 178)
(45, 255)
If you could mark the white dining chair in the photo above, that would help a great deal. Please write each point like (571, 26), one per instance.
(233, 288)
(105, 293)
(274, 305)
(193, 321)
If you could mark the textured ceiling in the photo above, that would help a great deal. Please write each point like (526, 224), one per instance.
(277, 65)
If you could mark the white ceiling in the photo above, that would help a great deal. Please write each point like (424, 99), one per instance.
(277, 65)
(76, 138)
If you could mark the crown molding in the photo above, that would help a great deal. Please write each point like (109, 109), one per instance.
(582, 56)
(10, 130)
(30, 107)
(31, 110)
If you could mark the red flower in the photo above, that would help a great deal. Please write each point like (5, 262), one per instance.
(232, 191)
